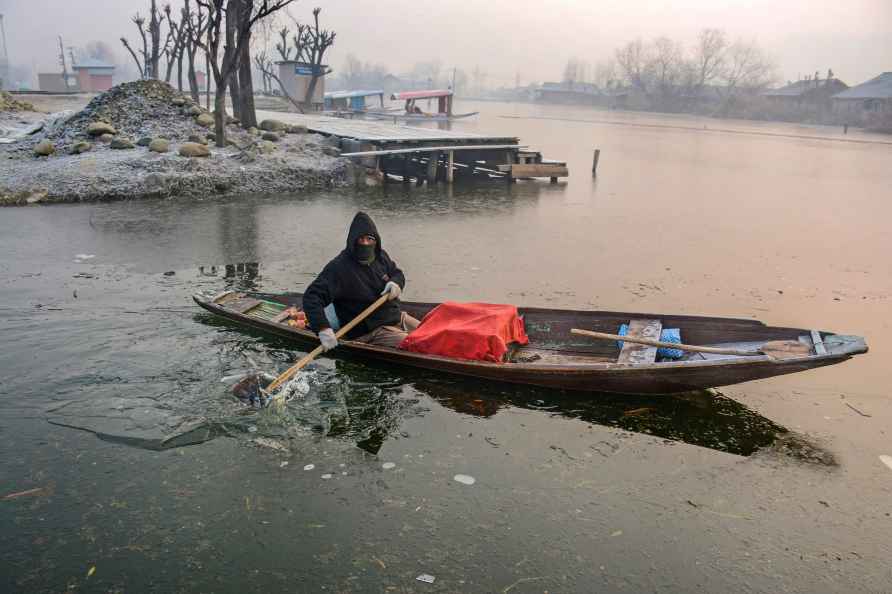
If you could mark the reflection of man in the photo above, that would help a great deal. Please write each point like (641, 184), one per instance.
(351, 282)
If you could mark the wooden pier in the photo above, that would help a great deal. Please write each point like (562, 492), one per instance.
(393, 152)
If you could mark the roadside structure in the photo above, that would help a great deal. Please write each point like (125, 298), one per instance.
(52, 82)
(93, 76)
(296, 77)
(868, 100)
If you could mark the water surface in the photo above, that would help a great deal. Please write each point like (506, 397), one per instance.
(152, 473)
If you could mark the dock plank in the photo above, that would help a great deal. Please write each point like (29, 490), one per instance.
(376, 131)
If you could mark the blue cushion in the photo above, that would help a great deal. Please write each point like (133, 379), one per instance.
(667, 335)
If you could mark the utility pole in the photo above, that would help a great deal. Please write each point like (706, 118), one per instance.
(62, 60)
(4, 59)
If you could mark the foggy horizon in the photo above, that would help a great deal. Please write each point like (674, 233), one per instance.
(507, 40)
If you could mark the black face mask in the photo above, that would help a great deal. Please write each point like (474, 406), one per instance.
(365, 254)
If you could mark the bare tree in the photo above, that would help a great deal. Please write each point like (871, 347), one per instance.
(282, 46)
(174, 45)
(233, 15)
(223, 66)
(154, 31)
(633, 61)
(194, 26)
(666, 69)
(748, 69)
(311, 43)
(709, 56)
(142, 65)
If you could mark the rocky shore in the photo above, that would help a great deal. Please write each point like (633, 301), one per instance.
(144, 140)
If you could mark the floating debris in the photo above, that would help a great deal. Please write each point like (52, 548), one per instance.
(91, 571)
(37, 491)
(252, 429)
(283, 464)
(887, 460)
(327, 475)
(388, 465)
(426, 578)
(309, 467)
(465, 479)
(84, 256)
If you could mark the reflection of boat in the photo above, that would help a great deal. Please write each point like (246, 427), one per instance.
(413, 113)
(557, 359)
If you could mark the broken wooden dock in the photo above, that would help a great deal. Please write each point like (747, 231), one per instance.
(391, 152)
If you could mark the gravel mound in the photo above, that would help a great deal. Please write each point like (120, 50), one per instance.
(135, 110)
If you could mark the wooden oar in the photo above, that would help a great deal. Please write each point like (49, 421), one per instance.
(286, 375)
(777, 349)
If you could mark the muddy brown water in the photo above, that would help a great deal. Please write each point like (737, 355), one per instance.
(770, 486)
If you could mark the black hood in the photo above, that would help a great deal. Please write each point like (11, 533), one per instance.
(362, 225)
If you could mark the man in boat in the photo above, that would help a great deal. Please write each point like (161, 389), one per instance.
(351, 282)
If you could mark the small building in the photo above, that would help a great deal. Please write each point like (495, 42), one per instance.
(94, 76)
(296, 78)
(202, 80)
(812, 91)
(871, 98)
(54, 82)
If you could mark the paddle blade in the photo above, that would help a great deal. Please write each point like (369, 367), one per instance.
(785, 349)
(249, 388)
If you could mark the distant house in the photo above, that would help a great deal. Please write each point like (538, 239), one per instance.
(94, 76)
(873, 97)
(578, 93)
(202, 80)
(54, 82)
(810, 92)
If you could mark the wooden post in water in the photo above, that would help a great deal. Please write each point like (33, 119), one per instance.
(406, 169)
(432, 168)
(595, 162)
(450, 162)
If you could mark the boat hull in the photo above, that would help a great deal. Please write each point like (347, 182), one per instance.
(600, 375)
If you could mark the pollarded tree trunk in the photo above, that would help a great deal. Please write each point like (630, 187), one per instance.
(248, 115)
(235, 95)
(233, 13)
(220, 114)
(193, 79)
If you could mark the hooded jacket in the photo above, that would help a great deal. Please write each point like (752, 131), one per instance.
(353, 286)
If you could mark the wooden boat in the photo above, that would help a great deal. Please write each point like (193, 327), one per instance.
(413, 113)
(555, 358)
(418, 117)
(349, 104)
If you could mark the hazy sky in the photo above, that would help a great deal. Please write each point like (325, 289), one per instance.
(503, 37)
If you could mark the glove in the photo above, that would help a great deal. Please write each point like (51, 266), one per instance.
(393, 290)
(328, 338)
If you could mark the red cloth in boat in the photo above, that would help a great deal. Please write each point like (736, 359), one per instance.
(476, 331)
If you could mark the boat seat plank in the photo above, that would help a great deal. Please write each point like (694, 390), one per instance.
(818, 343)
(632, 353)
(243, 305)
